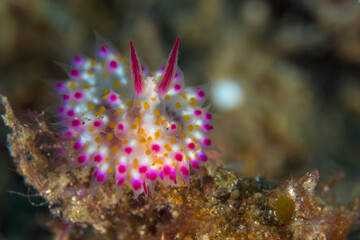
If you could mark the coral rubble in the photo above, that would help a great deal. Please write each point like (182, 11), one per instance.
(223, 206)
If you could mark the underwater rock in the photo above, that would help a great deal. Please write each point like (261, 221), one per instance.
(223, 206)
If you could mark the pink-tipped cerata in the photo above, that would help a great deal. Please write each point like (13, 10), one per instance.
(170, 69)
(159, 135)
(137, 75)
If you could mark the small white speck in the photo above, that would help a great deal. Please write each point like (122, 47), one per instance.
(227, 94)
(291, 192)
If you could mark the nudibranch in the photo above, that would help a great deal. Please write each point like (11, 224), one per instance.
(130, 126)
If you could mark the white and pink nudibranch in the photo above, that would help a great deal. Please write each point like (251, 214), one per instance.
(132, 127)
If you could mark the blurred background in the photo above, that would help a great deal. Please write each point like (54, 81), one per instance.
(285, 79)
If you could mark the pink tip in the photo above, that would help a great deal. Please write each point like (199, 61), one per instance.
(78, 146)
(200, 94)
(100, 177)
(98, 158)
(142, 169)
(75, 123)
(177, 87)
(77, 60)
(207, 142)
(151, 175)
(184, 171)
(122, 168)
(161, 70)
(97, 123)
(113, 98)
(104, 50)
(170, 69)
(75, 73)
(176, 76)
(208, 116)
(136, 184)
(78, 95)
(121, 127)
(82, 158)
(197, 113)
(60, 86)
(128, 150)
(202, 157)
(166, 170)
(66, 97)
(178, 157)
(191, 146)
(173, 127)
(61, 109)
(207, 127)
(195, 164)
(144, 69)
(137, 75)
(120, 181)
(70, 113)
(155, 147)
(69, 133)
(113, 65)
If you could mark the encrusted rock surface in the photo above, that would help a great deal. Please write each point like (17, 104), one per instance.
(217, 205)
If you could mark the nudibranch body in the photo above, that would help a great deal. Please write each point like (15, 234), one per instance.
(130, 126)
